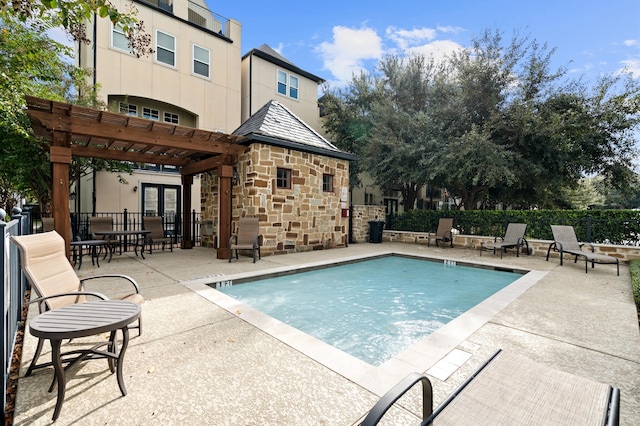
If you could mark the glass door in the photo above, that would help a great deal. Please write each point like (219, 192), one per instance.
(163, 200)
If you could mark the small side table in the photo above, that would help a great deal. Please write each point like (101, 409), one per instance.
(82, 320)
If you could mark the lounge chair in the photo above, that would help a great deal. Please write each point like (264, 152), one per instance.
(513, 237)
(247, 238)
(157, 235)
(443, 233)
(44, 263)
(565, 241)
(100, 224)
(510, 389)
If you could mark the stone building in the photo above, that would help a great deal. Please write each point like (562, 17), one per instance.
(291, 178)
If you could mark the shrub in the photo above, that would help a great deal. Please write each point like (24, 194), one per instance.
(634, 267)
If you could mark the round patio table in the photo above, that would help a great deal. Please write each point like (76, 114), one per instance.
(82, 320)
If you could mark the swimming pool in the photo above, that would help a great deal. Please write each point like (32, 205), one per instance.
(373, 309)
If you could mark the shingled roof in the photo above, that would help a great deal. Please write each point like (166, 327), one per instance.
(275, 124)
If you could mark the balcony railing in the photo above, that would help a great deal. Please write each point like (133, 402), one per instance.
(198, 15)
(160, 4)
(203, 17)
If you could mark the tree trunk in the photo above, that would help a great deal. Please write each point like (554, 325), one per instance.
(409, 195)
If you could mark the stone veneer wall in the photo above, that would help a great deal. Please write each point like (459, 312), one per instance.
(538, 247)
(302, 218)
(209, 207)
(362, 215)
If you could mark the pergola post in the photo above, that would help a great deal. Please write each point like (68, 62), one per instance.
(60, 157)
(187, 240)
(85, 132)
(225, 174)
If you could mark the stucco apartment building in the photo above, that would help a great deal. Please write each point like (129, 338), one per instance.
(197, 77)
(192, 79)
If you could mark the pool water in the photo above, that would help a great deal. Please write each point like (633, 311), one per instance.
(373, 309)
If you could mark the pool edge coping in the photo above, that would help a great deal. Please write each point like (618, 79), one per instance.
(419, 357)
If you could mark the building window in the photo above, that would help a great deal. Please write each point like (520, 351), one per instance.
(283, 178)
(118, 39)
(200, 61)
(129, 109)
(368, 199)
(165, 48)
(327, 183)
(150, 113)
(282, 83)
(287, 80)
(172, 118)
(293, 87)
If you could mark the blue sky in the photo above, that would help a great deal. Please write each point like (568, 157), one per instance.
(332, 39)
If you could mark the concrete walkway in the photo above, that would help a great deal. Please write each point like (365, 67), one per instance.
(204, 359)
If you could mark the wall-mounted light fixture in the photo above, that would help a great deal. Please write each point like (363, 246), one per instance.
(135, 188)
(72, 196)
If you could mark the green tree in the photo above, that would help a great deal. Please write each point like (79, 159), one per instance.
(381, 117)
(346, 116)
(32, 63)
(72, 15)
(401, 132)
(485, 97)
(492, 123)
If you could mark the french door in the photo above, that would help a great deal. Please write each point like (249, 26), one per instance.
(162, 200)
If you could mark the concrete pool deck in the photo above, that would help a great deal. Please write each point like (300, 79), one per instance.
(204, 359)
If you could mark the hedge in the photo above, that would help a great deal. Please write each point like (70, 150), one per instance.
(620, 227)
(634, 268)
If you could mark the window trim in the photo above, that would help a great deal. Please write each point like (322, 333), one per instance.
(151, 113)
(116, 28)
(288, 87)
(327, 184)
(125, 108)
(291, 88)
(164, 117)
(285, 181)
(284, 84)
(194, 60)
(174, 51)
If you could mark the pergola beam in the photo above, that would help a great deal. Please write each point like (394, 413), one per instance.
(78, 131)
(212, 143)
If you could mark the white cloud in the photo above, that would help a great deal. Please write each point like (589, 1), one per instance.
(631, 42)
(348, 51)
(408, 38)
(450, 29)
(279, 48)
(632, 66)
(438, 49)
(583, 69)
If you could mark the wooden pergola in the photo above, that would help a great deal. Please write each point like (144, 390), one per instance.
(85, 132)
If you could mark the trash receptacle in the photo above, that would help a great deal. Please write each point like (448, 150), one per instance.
(375, 231)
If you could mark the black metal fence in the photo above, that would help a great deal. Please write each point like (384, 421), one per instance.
(14, 286)
(126, 220)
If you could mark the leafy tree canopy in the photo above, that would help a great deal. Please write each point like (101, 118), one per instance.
(72, 16)
(490, 123)
(32, 63)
